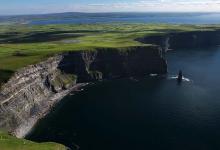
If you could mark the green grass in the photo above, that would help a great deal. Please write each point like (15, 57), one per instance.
(8, 142)
(36, 43)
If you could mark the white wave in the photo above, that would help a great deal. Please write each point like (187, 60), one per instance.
(176, 77)
(153, 75)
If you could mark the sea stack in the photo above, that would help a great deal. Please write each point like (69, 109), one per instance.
(180, 76)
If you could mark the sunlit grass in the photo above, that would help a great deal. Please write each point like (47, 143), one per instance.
(8, 142)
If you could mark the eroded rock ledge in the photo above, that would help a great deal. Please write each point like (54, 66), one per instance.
(32, 91)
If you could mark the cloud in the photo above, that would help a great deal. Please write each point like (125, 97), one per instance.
(120, 6)
(156, 5)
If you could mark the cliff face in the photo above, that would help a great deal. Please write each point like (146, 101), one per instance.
(113, 63)
(32, 91)
(193, 39)
(28, 94)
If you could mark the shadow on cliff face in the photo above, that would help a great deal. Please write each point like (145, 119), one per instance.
(110, 63)
(72, 63)
(5, 75)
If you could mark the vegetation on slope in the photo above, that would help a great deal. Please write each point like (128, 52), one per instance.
(8, 142)
(21, 45)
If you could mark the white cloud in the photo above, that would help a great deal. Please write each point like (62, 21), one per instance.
(153, 5)
(138, 6)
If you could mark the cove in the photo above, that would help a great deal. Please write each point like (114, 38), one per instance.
(153, 113)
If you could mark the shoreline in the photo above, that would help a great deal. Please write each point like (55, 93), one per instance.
(23, 130)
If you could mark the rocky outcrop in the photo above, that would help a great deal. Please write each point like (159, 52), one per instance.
(33, 90)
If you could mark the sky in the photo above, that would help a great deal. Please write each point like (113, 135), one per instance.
(8, 7)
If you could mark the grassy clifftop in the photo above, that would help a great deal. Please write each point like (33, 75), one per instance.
(21, 45)
(11, 143)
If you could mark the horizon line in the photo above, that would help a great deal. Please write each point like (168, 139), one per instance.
(50, 13)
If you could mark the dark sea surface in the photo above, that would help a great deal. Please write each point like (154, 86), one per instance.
(89, 18)
(153, 113)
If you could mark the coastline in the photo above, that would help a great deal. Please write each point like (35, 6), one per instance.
(33, 91)
(26, 128)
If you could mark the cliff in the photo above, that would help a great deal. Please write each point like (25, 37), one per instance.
(193, 39)
(110, 63)
(32, 91)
